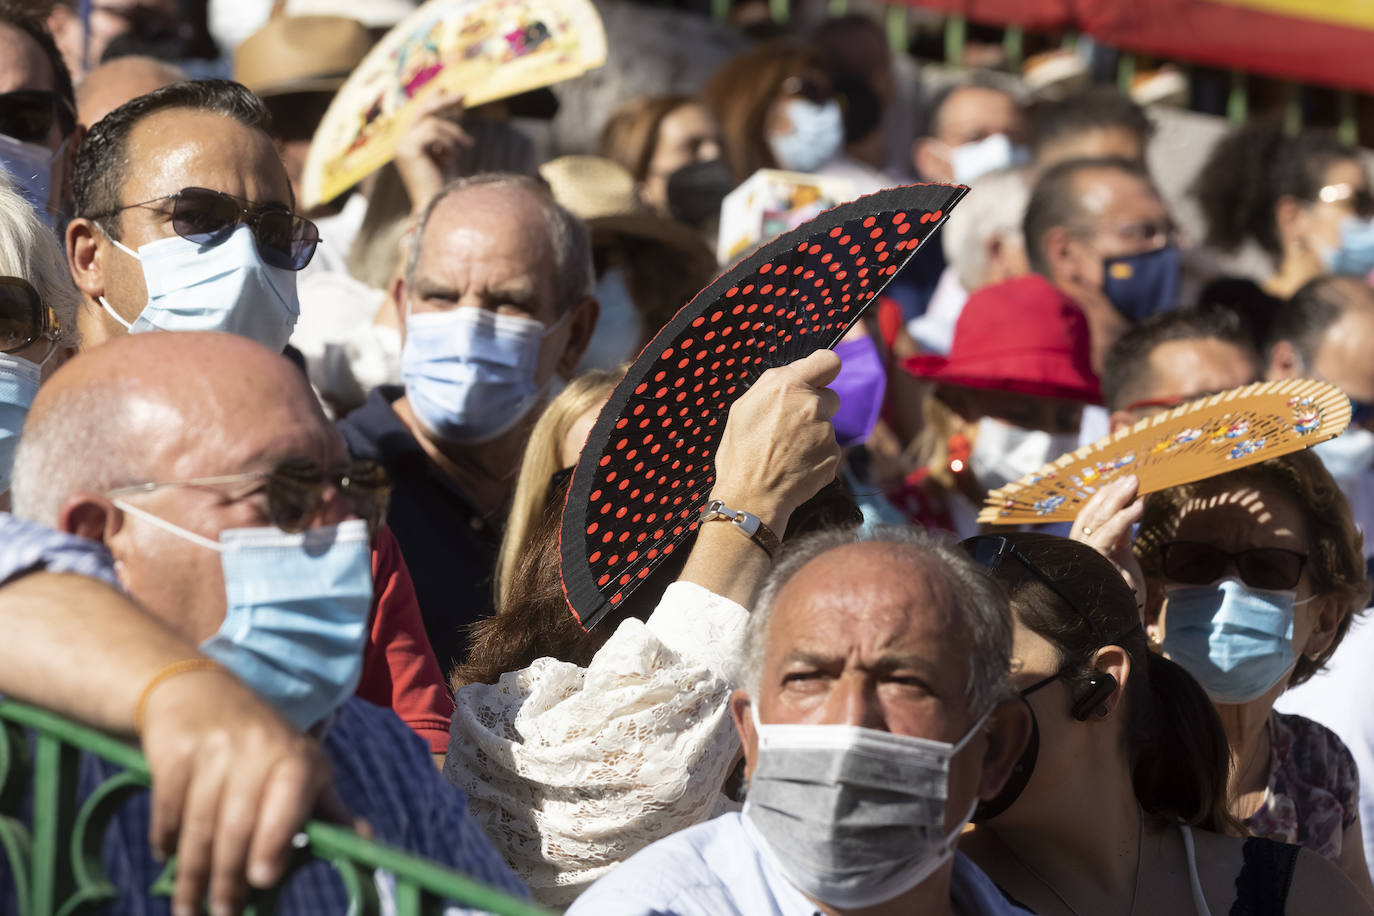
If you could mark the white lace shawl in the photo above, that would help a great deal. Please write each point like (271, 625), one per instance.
(572, 770)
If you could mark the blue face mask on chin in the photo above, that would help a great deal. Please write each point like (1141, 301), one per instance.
(1237, 641)
(296, 619)
(1141, 285)
(1355, 256)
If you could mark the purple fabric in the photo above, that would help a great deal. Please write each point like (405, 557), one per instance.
(861, 385)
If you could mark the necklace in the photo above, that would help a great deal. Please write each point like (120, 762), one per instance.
(1135, 884)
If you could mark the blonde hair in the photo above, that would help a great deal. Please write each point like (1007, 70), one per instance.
(29, 250)
(540, 461)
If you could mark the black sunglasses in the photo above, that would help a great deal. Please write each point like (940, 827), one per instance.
(23, 317)
(295, 491)
(28, 115)
(989, 550)
(208, 217)
(1191, 563)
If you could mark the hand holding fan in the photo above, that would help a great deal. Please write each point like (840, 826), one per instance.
(648, 465)
(1200, 439)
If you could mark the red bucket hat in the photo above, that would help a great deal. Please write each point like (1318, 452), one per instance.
(1023, 335)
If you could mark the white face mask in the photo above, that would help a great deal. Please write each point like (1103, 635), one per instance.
(227, 287)
(1003, 453)
(817, 135)
(852, 816)
(970, 161)
(29, 168)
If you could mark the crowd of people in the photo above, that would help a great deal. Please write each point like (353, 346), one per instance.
(283, 492)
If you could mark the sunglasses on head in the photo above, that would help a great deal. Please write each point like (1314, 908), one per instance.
(990, 550)
(295, 491)
(1191, 563)
(208, 217)
(28, 115)
(23, 317)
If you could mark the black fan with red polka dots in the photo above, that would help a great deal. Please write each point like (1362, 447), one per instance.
(648, 465)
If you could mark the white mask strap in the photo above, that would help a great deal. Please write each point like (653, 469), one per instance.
(101, 299)
(167, 526)
(112, 313)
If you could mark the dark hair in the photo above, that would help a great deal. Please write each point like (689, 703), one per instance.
(1055, 201)
(1099, 108)
(1317, 305)
(935, 107)
(1335, 555)
(534, 622)
(17, 16)
(1127, 367)
(1175, 743)
(103, 161)
(1247, 173)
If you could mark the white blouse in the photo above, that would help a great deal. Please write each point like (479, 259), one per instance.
(572, 770)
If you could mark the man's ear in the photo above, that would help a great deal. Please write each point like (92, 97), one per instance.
(85, 257)
(1062, 256)
(740, 706)
(581, 326)
(931, 160)
(1008, 730)
(90, 516)
(1284, 361)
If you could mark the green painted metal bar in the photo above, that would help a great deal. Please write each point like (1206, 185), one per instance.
(1070, 41)
(1348, 127)
(1014, 46)
(720, 10)
(838, 7)
(1125, 72)
(898, 28)
(1238, 99)
(1292, 108)
(956, 34)
(780, 11)
(421, 885)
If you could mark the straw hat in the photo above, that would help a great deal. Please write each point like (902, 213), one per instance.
(1023, 335)
(301, 54)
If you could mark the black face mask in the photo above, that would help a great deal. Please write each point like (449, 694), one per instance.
(1025, 764)
(696, 190)
(862, 110)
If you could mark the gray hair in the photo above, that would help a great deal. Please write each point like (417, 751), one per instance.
(994, 207)
(575, 277)
(982, 605)
(30, 251)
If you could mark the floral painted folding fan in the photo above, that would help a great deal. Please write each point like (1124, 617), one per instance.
(648, 465)
(1200, 439)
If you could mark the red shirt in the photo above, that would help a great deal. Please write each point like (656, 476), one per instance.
(400, 671)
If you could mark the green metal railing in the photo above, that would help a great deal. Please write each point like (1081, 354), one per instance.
(56, 866)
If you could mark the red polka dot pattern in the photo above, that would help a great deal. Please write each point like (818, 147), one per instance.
(648, 466)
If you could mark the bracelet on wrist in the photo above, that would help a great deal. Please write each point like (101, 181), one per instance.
(748, 524)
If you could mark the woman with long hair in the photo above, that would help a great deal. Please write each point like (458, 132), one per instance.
(1119, 801)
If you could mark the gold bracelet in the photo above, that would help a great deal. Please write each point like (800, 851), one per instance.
(167, 672)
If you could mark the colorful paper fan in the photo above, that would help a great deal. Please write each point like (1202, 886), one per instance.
(648, 465)
(483, 50)
(1200, 439)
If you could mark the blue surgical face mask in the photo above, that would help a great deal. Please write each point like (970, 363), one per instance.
(1355, 256)
(817, 135)
(1348, 455)
(471, 374)
(974, 160)
(29, 168)
(226, 287)
(1141, 285)
(296, 621)
(1237, 641)
(861, 385)
(18, 385)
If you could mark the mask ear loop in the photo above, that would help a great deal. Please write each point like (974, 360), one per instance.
(128, 326)
(167, 526)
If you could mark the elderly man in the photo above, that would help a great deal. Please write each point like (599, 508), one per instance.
(115, 82)
(1175, 357)
(497, 308)
(1098, 229)
(229, 512)
(877, 717)
(184, 219)
(37, 114)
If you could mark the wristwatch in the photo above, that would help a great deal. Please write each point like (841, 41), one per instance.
(748, 524)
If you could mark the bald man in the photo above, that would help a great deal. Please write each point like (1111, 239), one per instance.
(117, 81)
(230, 512)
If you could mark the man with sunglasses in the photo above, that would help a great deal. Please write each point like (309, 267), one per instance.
(184, 219)
(231, 512)
(37, 115)
(1326, 331)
